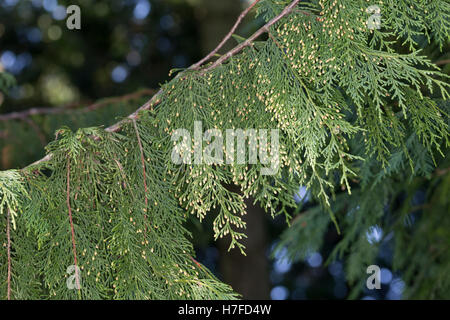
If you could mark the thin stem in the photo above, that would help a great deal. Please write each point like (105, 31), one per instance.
(249, 41)
(196, 262)
(227, 37)
(156, 99)
(442, 62)
(60, 110)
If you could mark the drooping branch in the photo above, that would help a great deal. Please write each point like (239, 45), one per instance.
(8, 239)
(69, 208)
(144, 173)
(156, 99)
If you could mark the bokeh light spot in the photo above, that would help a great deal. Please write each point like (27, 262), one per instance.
(279, 293)
(119, 74)
(142, 9)
(314, 260)
(54, 32)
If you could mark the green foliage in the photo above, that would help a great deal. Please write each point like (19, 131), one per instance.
(351, 110)
(6, 81)
(25, 138)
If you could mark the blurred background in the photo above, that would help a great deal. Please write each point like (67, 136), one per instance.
(126, 48)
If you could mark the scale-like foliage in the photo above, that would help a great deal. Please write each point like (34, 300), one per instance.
(350, 108)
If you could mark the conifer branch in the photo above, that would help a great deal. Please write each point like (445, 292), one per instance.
(144, 174)
(8, 237)
(330, 127)
(74, 247)
(227, 37)
(156, 99)
(252, 38)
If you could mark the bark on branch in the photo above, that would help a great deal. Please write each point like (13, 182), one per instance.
(156, 99)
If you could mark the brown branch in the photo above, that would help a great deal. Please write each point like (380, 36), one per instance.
(442, 62)
(441, 172)
(21, 115)
(74, 247)
(36, 111)
(227, 37)
(249, 41)
(8, 236)
(135, 115)
(196, 262)
(156, 99)
(44, 159)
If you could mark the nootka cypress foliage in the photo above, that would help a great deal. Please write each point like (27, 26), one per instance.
(355, 113)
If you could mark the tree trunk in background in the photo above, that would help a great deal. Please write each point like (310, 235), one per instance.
(248, 275)
(216, 18)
